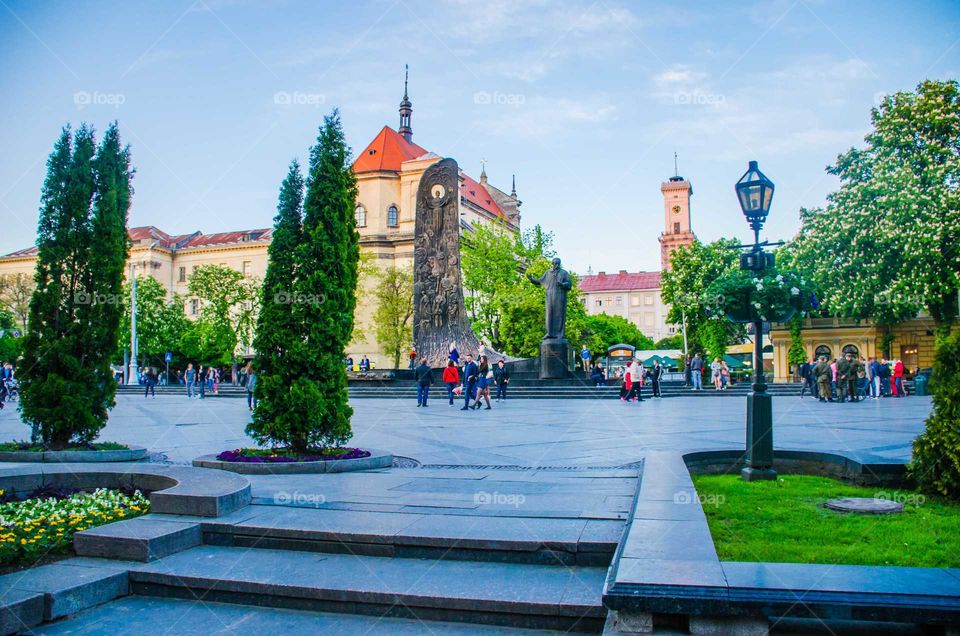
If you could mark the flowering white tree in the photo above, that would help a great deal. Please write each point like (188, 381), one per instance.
(886, 245)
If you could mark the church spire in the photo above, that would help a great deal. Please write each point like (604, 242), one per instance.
(406, 108)
(513, 186)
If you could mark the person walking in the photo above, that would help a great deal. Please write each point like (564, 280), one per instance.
(470, 377)
(451, 378)
(724, 375)
(424, 382)
(636, 381)
(696, 372)
(501, 377)
(806, 377)
(190, 376)
(149, 381)
(898, 389)
(715, 367)
(202, 381)
(251, 386)
(484, 379)
(823, 373)
(655, 375)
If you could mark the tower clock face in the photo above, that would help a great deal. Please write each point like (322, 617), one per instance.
(676, 209)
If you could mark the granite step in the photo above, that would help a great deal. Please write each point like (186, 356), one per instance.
(506, 594)
(539, 540)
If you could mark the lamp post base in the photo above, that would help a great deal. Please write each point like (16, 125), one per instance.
(758, 474)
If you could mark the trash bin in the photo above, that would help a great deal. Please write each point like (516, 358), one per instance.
(920, 384)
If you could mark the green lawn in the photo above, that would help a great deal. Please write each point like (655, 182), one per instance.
(784, 521)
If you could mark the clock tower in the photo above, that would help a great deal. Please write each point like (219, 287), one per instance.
(676, 217)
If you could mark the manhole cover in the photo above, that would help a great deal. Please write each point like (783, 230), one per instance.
(864, 505)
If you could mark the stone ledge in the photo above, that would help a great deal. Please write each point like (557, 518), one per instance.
(140, 539)
(377, 459)
(132, 454)
(19, 611)
(174, 489)
(64, 588)
(667, 564)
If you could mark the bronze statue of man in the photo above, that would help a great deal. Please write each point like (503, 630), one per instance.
(556, 283)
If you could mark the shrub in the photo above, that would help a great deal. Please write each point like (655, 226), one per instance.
(936, 451)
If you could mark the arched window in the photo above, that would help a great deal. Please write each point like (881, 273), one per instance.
(393, 216)
(851, 348)
(823, 350)
(361, 215)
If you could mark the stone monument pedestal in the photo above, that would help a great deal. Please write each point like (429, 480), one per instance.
(553, 359)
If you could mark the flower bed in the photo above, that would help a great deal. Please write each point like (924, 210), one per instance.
(40, 448)
(285, 455)
(44, 521)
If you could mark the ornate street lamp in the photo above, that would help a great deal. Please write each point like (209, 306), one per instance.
(755, 193)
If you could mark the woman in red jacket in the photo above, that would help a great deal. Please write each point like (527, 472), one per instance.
(451, 378)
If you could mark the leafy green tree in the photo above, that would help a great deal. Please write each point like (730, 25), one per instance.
(392, 320)
(797, 353)
(605, 331)
(303, 390)
(15, 293)
(886, 245)
(68, 386)
(11, 348)
(161, 323)
(207, 343)
(692, 269)
(230, 302)
(670, 342)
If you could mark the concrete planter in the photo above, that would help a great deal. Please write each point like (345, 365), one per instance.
(377, 459)
(132, 454)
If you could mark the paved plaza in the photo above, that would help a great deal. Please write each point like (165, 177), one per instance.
(605, 433)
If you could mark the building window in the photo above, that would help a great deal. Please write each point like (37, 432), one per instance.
(182, 275)
(619, 300)
(823, 350)
(361, 215)
(194, 270)
(851, 348)
(599, 302)
(393, 216)
(246, 269)
(648, 320)
(193, 307)
(648, 300)
(676, 228)
(635, 300)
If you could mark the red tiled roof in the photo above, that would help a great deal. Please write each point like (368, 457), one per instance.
(228, 238)
(478, 195)
(386, 152)
(622, 281)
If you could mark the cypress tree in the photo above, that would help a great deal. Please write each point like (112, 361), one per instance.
(279, 359)
(305, 387)
(328, 256)
(74, 310)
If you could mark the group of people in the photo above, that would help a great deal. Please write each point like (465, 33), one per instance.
(852, 379)
(199, 380)
(364, 364)
(636, 376)
(473, 380)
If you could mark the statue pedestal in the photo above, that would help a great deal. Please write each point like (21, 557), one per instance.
(553, 359)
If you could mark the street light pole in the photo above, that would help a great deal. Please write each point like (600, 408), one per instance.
(132, 369)
(755, 193)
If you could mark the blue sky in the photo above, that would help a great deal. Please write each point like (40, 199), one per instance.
(585, 102)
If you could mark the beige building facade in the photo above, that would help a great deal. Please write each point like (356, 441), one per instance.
(388, 174)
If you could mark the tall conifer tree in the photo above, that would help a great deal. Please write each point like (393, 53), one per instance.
(74, 313)
(277, 340)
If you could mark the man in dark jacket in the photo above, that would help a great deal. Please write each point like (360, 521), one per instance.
(806, 376)
(696, 368)
(470, 375)
(501, 375)
(424, 382)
